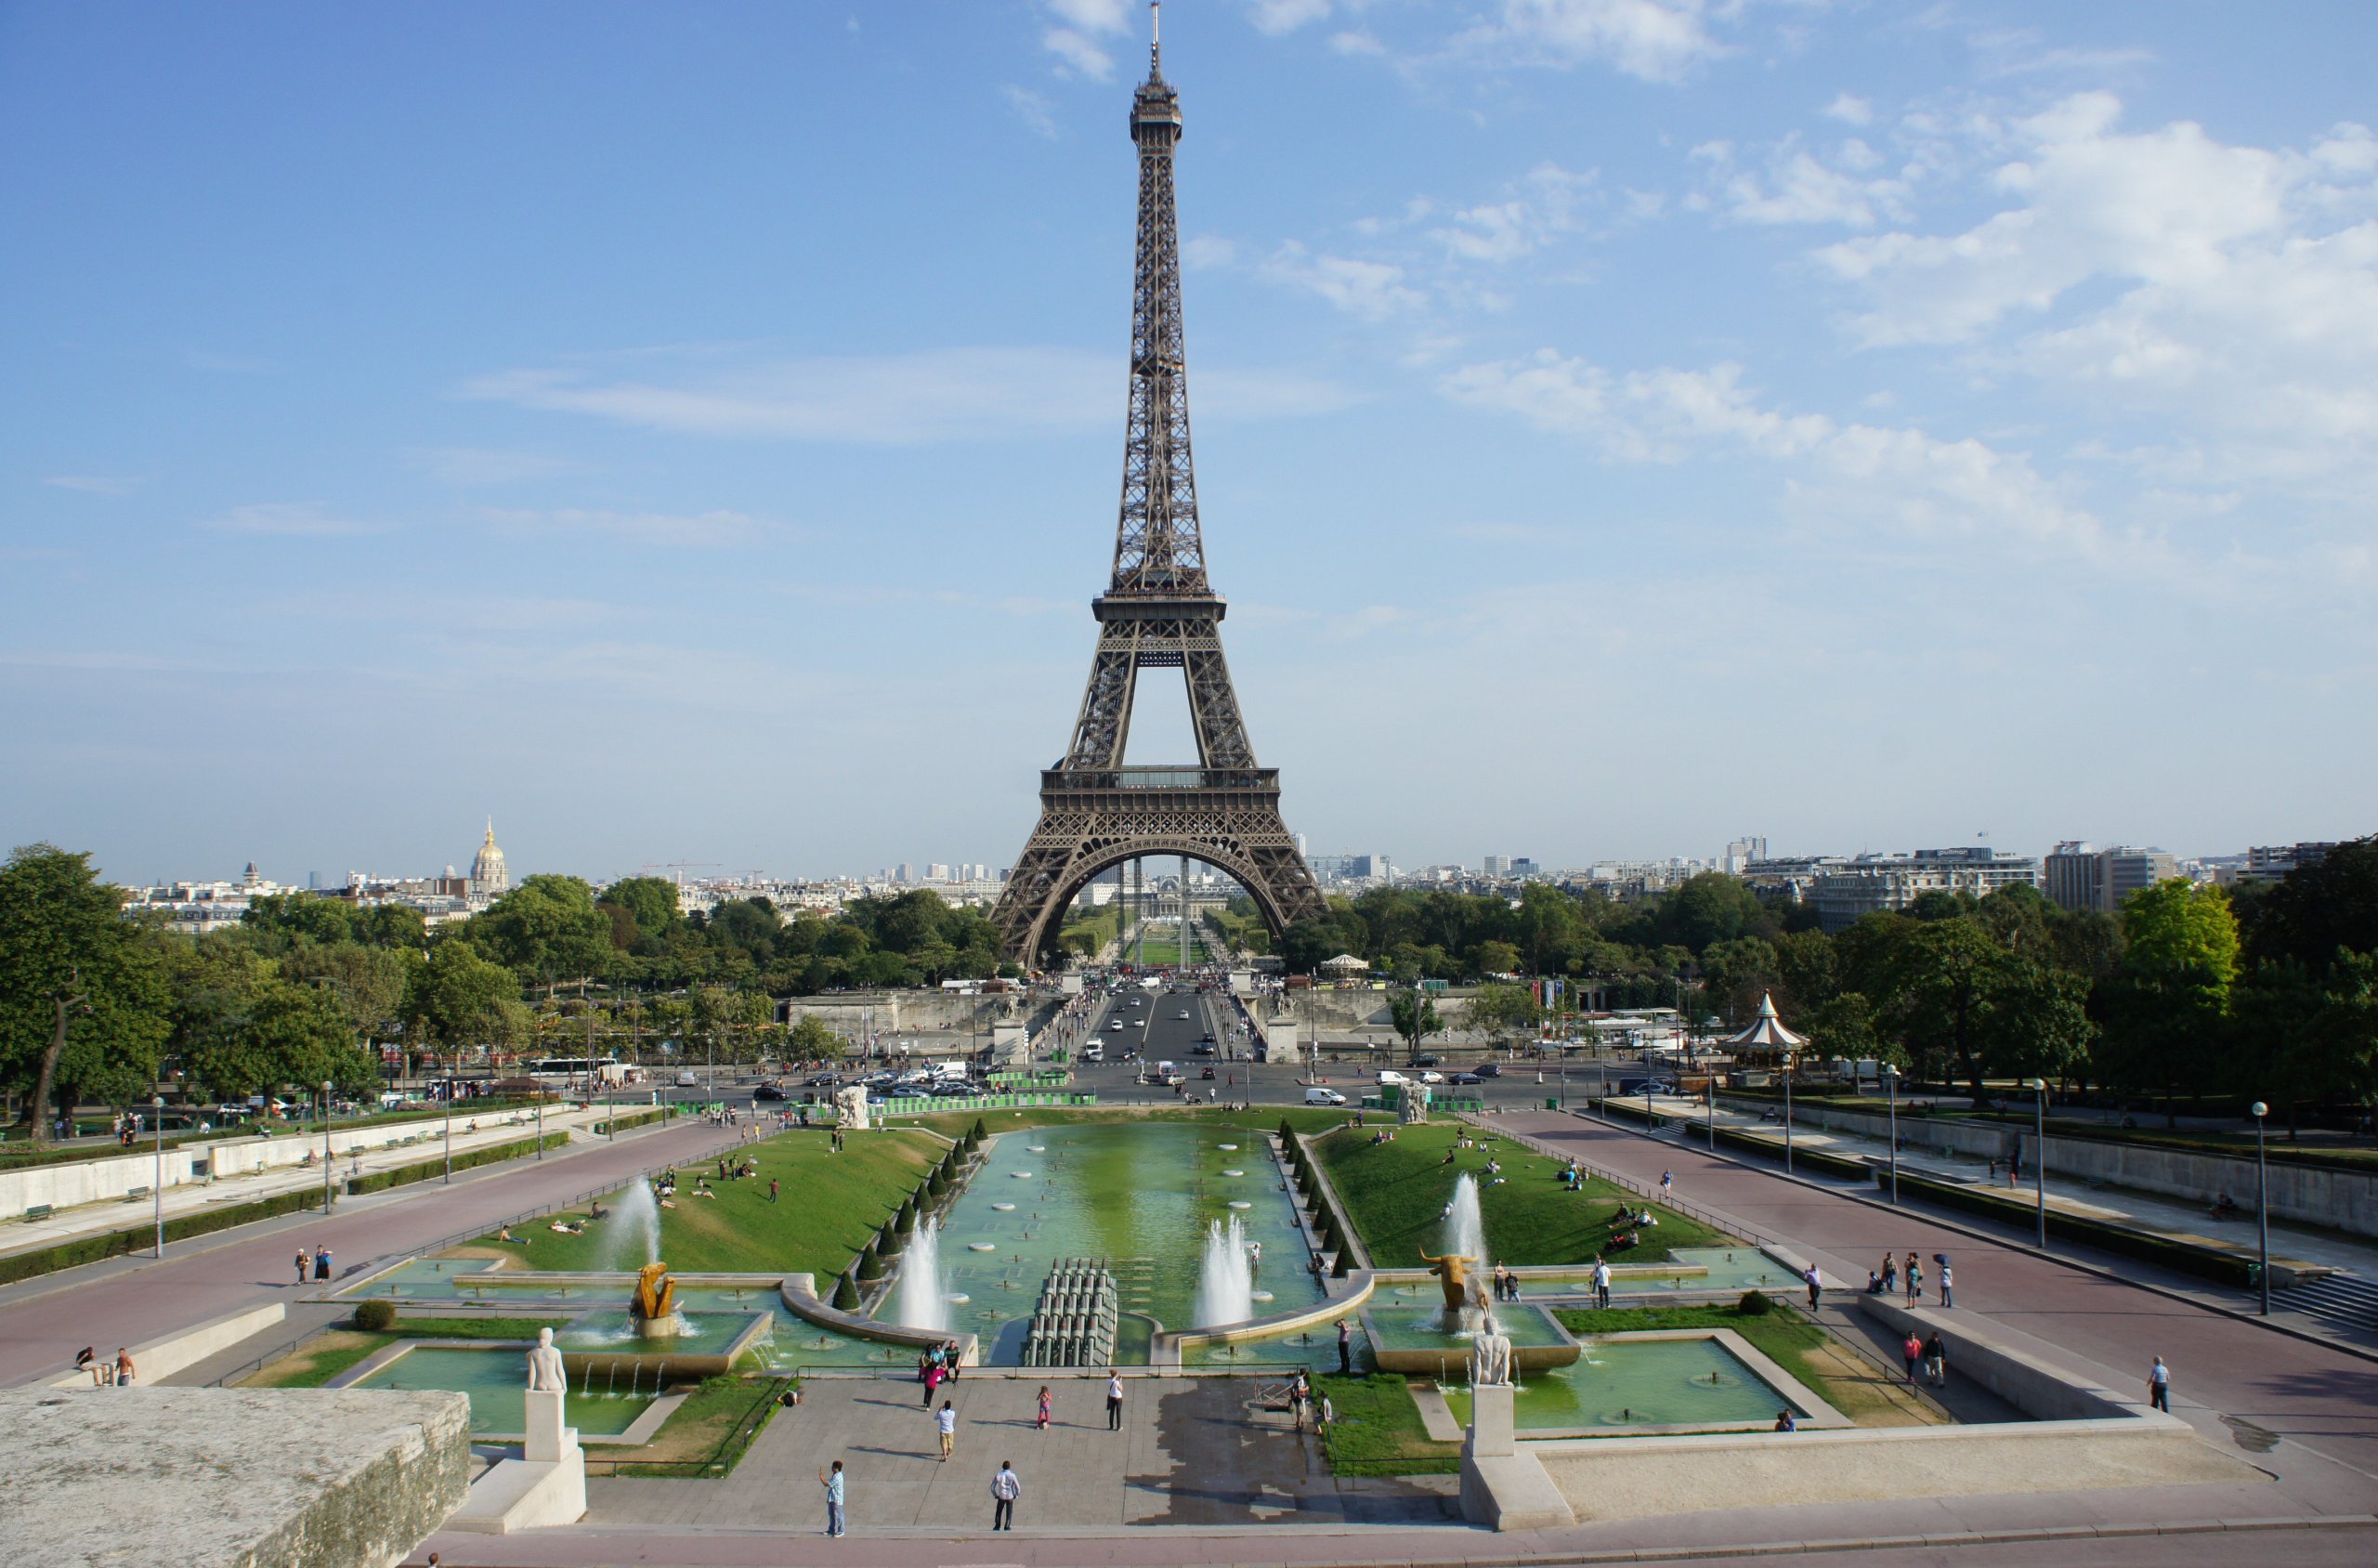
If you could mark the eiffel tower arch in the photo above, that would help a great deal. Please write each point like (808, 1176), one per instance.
(1158, 612)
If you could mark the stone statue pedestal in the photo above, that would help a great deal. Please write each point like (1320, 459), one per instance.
(547, 1487)
(1493, 1431)
(549, 1441)
(850, 1107)
(1501, 1487)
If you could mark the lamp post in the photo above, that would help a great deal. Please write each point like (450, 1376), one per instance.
(2039, 1156)
(157, 1112)
(449, 1124)
(1890, 1087)
(2262, 1206)
(326, 1145)
(1787, 1113)
(1712, 1093)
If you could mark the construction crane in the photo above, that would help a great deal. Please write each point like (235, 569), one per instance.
(682, 867)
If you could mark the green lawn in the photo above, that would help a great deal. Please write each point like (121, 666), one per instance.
(318, 1361)
(1267, 1118)
(1396, 1193)
(829, 1206)
(1377, 1431)
(706, 1436)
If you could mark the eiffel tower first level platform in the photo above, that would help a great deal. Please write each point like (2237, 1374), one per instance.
(1158, 612)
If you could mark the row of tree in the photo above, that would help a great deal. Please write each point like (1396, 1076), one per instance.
(2265, 991)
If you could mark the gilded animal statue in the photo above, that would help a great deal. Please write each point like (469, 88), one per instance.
(656, 1293)
(1453, 1275)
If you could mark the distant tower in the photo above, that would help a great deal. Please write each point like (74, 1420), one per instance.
(489, 878)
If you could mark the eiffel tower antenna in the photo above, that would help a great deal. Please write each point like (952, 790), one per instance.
(1158, 612)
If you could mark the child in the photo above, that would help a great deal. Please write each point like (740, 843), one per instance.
(1042, 1422)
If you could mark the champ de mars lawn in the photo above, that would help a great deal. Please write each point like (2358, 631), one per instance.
(1396, 1193)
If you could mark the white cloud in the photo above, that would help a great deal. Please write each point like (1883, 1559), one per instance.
(1032, 109)
(1094, 16)
(1372, 290)
(1076, 40)
(91, 484)
(1203, 252)
(1355, 41)
(1080, 53)
(1850, 109)
(1797, 187)
(1546, 204)
(1901, 480)
(288, 521)
(704, 530)
(1657, 40)
(474, 467)
(1276, 16)
(898, 399)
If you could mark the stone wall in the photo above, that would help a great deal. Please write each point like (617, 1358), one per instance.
(2345, 1200)
(228, 1478)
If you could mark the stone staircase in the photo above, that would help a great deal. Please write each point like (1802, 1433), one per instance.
(2342, 1299)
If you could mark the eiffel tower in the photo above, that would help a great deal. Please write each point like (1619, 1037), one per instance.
(1158, 613)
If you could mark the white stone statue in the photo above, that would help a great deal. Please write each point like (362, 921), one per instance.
(1490, 1358)
(1412, 1104)
(545, 1371)
(850, 1105)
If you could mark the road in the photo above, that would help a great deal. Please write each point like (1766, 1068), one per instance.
(131, 1301)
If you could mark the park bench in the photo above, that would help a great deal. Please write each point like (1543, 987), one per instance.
(134, 1195)
(38, 1211)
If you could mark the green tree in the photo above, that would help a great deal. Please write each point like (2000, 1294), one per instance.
(368, 983)
(2166, 1008)
(814, 1040)
(82, 996)
(459, 998)
(650, 904)
(1415, 1016)
(1495, 958)
(1500, 1011)
(547, 930)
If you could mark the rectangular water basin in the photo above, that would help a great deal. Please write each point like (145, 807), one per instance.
(706, 1348)
(1412, 1339)
(1647, 1386)
(497, 1380)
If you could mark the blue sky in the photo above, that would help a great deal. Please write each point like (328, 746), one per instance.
(694, 432)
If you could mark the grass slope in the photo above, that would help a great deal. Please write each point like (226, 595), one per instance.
(1378, 1431)
(829, 1206)
(1395, 1194)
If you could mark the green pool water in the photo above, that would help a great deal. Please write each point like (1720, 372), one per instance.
(1642, 1383)
(1417, 1327)
(496, 1381)
(705, 1333)
(1139, 1196)
(1316, 1348)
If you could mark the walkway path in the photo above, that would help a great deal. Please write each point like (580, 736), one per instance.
(132, 1302)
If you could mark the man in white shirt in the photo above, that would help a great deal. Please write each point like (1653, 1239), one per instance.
(1005, 1490)
(1601, 1282)
(831, 1481)
(2159, 1386)
(945, 1421)
(1114, 1400)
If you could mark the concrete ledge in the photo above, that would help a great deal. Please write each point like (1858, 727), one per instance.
(1642, 1477)
(800, 1295)
(1513, 1492)
(1168, 1346)
(2023, 1380)
(523, 1494)
(160, 1359)
(233, 1478)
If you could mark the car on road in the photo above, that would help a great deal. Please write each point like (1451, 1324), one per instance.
(1183, 1015)
(1203, 1048)
(1206, 1038)
(907, 1092)
(1389, 1075)
(1095, 1053)
(1430, 1075)
(1465, 1078)
(766, 1092)
(687, 1080)
(1324, 1097)
(1490, 1069)
(953, 1088)
(822, 1080)
(1425, 1062)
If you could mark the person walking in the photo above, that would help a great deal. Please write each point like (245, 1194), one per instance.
(321, 1262)
(831, 1480)
(1816, 1286)
(1345, 1350)
(1114, 1400)
(1042, 1419)
(304, 1259)
(123, 1367)
(772, 1189)
(1667, 1182)
(1948, 1284)
(933, 1383)
(2159, 1386)
(1005, 1490)
(1914, 1276)
(1601, 1282)
(1936, 1360)
(945, 1421)
(1911, 1351)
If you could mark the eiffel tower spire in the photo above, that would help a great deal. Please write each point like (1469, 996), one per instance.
(1158, 611)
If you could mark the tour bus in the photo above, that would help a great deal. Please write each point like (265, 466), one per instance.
(563, 1069)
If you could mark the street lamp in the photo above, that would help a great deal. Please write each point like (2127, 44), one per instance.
(2039, 1156)
(2262, 1203)
(1712, 1092)
(450, 1122)
(1890, 1087)
(157, 1111)
(326, 1145)
(1787, 1113)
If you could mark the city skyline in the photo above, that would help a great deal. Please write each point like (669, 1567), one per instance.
(1616, 419)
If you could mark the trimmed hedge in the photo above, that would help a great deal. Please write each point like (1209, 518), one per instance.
(376, 1315)
(641, 1118)
(117, 1243)
(405, 1175)
(2223, 1268)
(1337, 1235)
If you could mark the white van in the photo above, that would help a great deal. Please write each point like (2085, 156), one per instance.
(1324, 1097)
(1389, 1075)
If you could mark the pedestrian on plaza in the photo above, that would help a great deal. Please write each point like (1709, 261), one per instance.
(1911, 1351)
(1936, 1360)
(933, 1383)
(321, 1262)
(1299, 1397)
(1114, 1400)
(831, 1480)
(123, 1367)
(1891, 1272)
(1602, 1281)
(304, 1259)
(1784, 1421)
(945, 1421)
(1816, 1286)
(2159, 1386)
(1042, 1422)
(1005, 1490)
(772, 1189)
(1948, 1284)
(1668, 1182)
(1345, 1350)
(1913, 1274)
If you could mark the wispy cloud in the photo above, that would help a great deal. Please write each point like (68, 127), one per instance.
(948, 395)
(1372, 290)
(1075, 42)
(1032, 109)
(1276, 16)
(286, 520)
(678, 530)
(91, 484)
(474, 467)
(1656, 40)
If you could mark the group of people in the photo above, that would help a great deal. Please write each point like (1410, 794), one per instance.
(935, 1366)
(1894, 1276)
(1507, 1283)
(105, 1373)
(315, 1264)
(1931, 1354)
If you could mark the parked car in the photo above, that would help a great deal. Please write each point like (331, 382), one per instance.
(687, 1080)
(822, 1080)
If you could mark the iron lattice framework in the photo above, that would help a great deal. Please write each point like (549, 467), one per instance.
(1158, 612)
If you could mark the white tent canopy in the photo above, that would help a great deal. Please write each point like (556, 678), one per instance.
(1765, 1032)
(1345, 961)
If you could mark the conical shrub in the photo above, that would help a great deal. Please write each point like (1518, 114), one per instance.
(906, 1220)
(978, 1131)
(1344, 1265)
(846, 1295)
(871, 1264)
(937, 1186)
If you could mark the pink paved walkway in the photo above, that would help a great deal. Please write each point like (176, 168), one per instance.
(44, 1321)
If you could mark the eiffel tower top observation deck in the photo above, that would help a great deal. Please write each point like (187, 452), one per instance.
(1160, 611)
